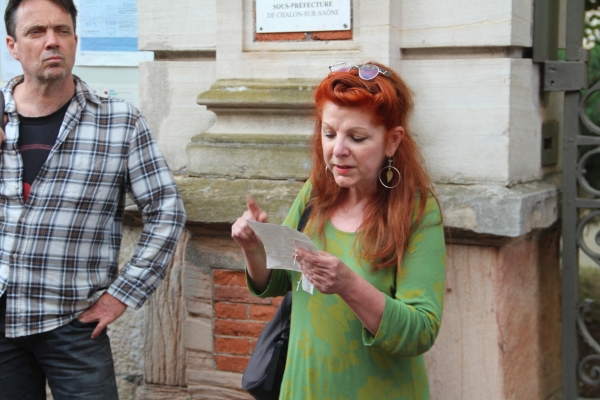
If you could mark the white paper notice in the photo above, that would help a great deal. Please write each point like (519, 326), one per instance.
(108, 34)
(280, 244)
(303, 16)
(108, 25)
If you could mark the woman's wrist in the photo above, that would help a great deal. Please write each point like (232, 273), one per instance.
(256, 254)
(350, 282)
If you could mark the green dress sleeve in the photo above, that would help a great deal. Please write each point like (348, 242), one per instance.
(281, 281)
(412, 317)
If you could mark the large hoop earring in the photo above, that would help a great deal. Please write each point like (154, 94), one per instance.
(389, 174)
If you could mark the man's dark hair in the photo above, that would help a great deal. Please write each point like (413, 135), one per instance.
(10, 15)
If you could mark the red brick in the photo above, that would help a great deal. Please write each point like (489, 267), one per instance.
(232, 364)
(276, 301)
(230, 278)
(280, 37)
(262, 313)
(232, 346)
(237, 294)
(237, 328)
(332, 35)
(231, 311)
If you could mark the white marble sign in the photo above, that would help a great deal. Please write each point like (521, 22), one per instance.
(302, 16)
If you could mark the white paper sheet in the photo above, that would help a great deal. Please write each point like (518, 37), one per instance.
(108, 34)
(280, 244)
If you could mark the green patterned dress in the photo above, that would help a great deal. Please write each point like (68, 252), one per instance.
(331, 354)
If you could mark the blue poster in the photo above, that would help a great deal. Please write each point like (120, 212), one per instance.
(108, 25)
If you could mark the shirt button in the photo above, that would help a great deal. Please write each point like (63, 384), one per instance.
(23, 220)
(14, 255)
(13, 153)
(16, 187)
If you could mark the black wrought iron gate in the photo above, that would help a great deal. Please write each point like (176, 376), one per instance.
(581, 200)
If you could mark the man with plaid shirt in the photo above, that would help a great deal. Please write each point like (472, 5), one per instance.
(68, 160)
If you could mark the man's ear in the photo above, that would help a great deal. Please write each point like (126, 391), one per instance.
(11, 43)
(394, 140)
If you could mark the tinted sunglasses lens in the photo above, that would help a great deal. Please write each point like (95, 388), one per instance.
(368, 71)
(340, 67)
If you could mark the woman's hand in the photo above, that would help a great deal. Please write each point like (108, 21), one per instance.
(241, 231)
(331, 276)
(328, 273)
(252, 247)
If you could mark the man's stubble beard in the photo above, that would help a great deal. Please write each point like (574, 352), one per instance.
(50, 76)
(56, 77)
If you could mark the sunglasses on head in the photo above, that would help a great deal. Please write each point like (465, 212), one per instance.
(365, 71)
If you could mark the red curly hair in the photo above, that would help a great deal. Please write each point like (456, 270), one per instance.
(388, 218)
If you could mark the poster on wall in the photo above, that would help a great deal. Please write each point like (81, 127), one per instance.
(107, 31)
(108, 34)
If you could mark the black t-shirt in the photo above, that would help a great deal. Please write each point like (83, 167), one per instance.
(36, 138)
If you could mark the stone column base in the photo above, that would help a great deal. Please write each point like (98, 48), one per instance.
(500, 336)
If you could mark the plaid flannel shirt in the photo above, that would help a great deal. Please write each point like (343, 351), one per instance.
(59, 250)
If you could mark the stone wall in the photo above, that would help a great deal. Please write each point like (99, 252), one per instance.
(499, 336)
(501, 301)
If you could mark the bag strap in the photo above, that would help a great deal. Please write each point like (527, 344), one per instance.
(273, 365)
(304, 218)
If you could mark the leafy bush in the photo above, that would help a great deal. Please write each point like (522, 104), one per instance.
(589, 288)
(592, 174)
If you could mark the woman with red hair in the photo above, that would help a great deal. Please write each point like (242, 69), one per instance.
(379, 275)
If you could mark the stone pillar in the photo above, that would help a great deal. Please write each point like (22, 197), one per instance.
(164, 353)
(478, 119)
(501, 318)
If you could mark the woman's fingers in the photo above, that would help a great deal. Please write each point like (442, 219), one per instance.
(328, 273)
(311, 267)
(257, 214)
(321, 260)
(303, 254)
(241, 232)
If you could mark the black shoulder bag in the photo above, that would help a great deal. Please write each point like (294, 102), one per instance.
(264, 372)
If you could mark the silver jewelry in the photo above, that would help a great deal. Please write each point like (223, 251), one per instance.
(326, 170)
(389, 175)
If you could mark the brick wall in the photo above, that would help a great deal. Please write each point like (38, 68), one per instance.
(303, 36)
(239, 318)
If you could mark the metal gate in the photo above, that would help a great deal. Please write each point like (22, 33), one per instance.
(581, 198)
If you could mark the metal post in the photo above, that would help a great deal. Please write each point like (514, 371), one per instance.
(574, 30)
(570, 259)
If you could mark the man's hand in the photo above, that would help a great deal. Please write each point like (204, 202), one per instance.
(105, 311)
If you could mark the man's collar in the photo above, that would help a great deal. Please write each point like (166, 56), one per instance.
(83, 92)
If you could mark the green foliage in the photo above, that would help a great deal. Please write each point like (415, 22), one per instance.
(593, 104)
(594, 66)
(592, 167)
(589, 288)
